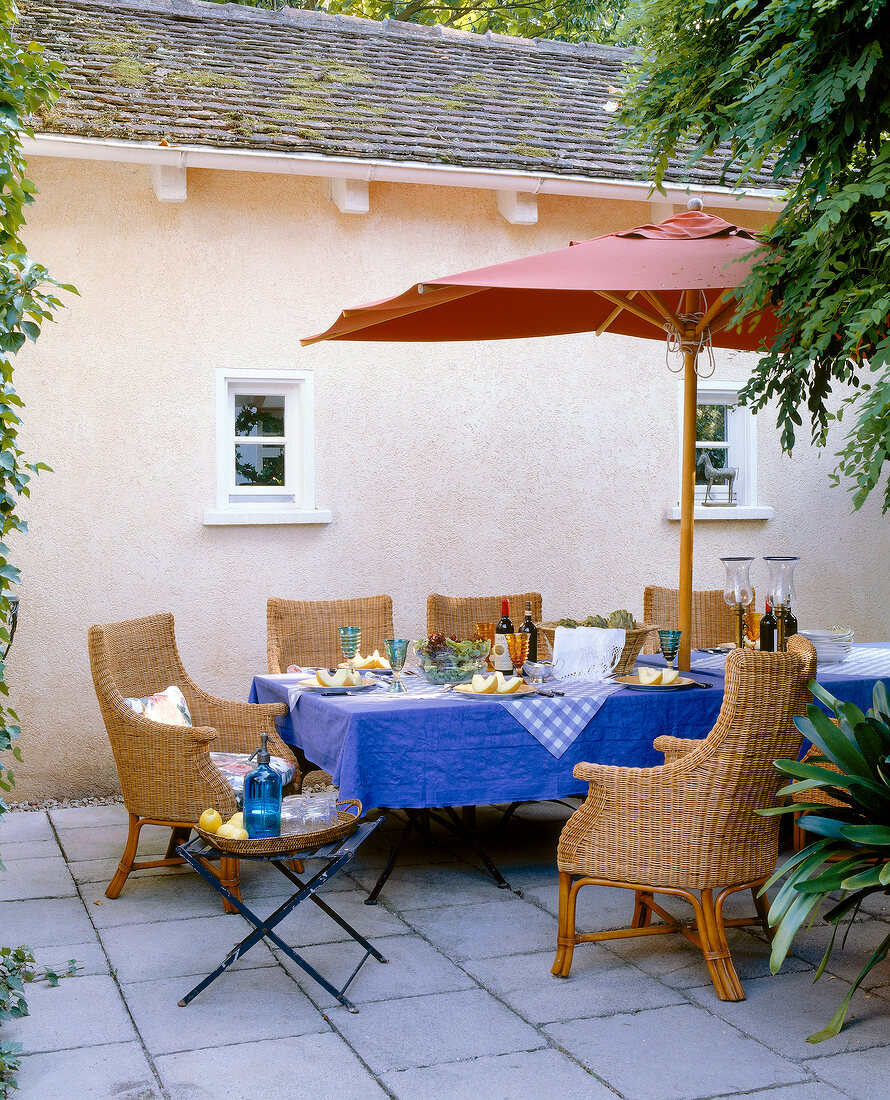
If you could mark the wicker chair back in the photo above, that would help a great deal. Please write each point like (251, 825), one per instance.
(456, 616)
(713, 621)
(304, 632)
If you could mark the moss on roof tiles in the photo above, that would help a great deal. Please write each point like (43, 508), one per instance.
(344, 87)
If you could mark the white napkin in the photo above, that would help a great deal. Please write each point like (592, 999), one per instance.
(587, 651)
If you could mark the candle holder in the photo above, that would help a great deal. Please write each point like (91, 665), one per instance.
(781, 593)
(738, 593)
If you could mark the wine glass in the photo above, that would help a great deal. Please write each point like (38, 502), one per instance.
(518, 646)
(485, 631)
(350, 640)
(670, 644)
(396, 650)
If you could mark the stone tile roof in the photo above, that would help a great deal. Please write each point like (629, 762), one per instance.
(204, 74)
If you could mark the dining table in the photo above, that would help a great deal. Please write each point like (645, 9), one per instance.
(433, 747)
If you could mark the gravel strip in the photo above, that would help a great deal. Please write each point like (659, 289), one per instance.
(63, 803)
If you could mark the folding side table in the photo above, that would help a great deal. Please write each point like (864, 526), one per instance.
(333, 856)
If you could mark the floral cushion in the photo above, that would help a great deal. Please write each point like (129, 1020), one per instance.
(236, 765)
(167, 706)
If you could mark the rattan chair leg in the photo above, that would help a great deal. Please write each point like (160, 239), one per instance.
(230, 877)
(642, 917)
(565, 935)
(179, 834)
(716, 949)
(127, 859)
(762, 907)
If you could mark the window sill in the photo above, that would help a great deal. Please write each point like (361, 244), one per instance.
(739, 512)
(244, 518)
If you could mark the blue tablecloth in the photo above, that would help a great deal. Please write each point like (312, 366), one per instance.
(404, 751)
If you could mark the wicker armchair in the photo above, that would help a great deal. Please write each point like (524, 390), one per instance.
(689, 825)
(304, 632)
(166, 774)
(713, 621)
(457, 616)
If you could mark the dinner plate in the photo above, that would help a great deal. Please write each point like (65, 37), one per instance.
(634, 682)
(467, 689)
(828, 635)
(314, 685)
(371, 671)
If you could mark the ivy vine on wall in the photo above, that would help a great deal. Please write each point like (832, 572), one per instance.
(29, 84)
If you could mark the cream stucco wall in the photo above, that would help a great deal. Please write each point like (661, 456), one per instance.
(458, 468)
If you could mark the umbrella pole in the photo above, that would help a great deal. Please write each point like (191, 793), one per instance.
(687, 504)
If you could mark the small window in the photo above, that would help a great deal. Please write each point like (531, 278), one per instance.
(725, 434)
(265, 449)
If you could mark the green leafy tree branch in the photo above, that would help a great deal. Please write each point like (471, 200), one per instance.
(28, 84)
(805, 89)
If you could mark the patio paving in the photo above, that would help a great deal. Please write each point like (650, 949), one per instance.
(466, 1006)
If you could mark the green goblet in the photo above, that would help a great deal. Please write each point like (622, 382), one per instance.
(350, 640)
(396, 653)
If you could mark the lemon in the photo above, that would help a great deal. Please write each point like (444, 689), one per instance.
(232, 832)
(236, 819)
(210, 821)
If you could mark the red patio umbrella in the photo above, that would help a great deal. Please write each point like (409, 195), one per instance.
(674, 279)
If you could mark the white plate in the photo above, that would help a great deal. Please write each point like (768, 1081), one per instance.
(314, 685)
(467, 689)
(828, 635)
(634, 682)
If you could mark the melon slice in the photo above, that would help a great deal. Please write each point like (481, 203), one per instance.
(511, 685)
(354, 680)
(669, 675)
(483, 685)
(325, 678)
(649, 675)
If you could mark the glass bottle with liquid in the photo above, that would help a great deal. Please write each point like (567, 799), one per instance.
(500, 656)
(262, 796)
(528, 627)
(768, 626)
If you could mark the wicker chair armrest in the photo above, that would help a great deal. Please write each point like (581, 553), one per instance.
(613, 778)
(674, 748)
(239, 725)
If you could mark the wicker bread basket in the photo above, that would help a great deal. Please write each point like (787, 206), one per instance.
(633, 644)
(290, 842)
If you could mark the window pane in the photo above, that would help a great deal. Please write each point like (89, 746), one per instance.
(710, 423)
(718, 457)
(259, 414)
(259, 464)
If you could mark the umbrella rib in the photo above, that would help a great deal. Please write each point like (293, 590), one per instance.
(631, 307)
(716, 313)
(655, 299)
(615, 312)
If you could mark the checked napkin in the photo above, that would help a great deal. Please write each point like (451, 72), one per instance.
(557, 722)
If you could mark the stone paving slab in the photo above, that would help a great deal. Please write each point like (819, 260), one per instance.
(173, 948)
(308, 924)
(29, 849)
(598, 907)
(240, 1006)
(89, 817)
(505, 926)
(155, 899)
(676, 1053)
(120, 1071)
(764, 1014)
(601, 987)
(89, 957)
(423, 1031)
(414, 968)
(45, 922)
(810, 1090)
(545, 1073)
(24, 826)
(78, 1012)
(108, 842)
(36, 878)
(861, 1075)
(317, 1067)
(423, 887)
(102, 870)
(852, 948)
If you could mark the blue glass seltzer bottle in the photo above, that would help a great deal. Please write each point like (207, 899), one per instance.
(262, 797)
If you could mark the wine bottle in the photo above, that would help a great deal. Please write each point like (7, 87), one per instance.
(528, 627)
(790, 623)
(500, 657)
(768, 626)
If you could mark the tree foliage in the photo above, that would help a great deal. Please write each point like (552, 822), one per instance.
(565, 20)
(802, 88)
(28, 83)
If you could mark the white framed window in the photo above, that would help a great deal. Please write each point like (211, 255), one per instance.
(726, 434)
(265, 448)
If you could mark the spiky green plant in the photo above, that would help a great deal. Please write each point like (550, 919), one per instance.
(852, 851)
(622, 620)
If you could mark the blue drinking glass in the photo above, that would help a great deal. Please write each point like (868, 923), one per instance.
(350, 640)
(396, 650)
(670, 644)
